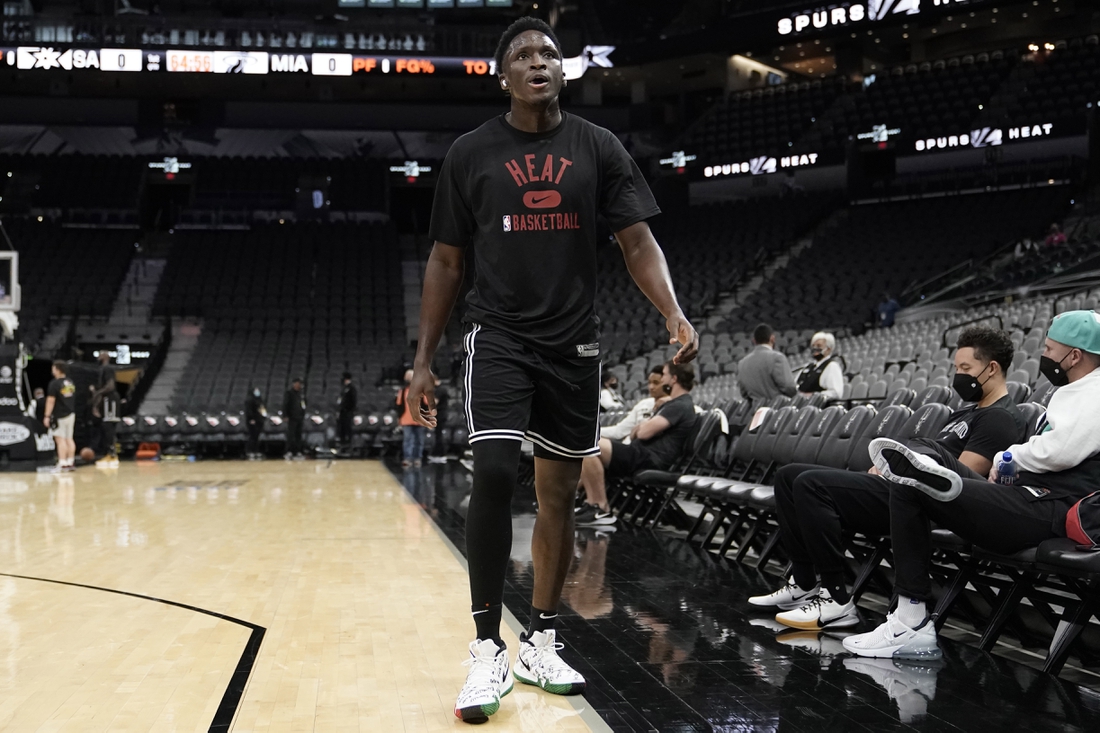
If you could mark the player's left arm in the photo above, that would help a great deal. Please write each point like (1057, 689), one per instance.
(646, 263)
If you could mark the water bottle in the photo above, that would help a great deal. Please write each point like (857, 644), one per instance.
(1006, 469)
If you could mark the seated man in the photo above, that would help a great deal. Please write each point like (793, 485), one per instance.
(642, 410)
(656, 443)
(764, 373)
(815, 503)
(1057, 466)
(824, 373)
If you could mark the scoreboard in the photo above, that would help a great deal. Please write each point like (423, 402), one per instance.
(175, 61)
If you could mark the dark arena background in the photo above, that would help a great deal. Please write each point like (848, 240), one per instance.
(218, 197)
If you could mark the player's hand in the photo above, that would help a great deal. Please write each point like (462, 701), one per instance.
(422, 396)
(46, 422)
(681, 332)
(874, 471)
(993, 474)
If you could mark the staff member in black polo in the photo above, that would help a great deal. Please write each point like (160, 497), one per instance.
(825, 372)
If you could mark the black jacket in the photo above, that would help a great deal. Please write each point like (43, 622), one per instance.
(349, 400)
(294, 405)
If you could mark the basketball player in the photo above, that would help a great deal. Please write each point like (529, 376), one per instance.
(524, 191)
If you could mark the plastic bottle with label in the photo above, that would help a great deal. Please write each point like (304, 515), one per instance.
(1006, 469)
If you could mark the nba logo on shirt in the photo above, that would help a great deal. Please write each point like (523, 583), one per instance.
(507, 223)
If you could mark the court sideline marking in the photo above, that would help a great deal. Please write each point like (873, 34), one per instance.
(231, 700)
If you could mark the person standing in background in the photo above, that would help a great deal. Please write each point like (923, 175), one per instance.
(412, 432)
(294, 410)
(349, 401)
(60, 415)
(105, 408)
(255, 412)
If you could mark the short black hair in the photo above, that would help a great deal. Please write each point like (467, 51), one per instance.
(61, 366)
(762, 334)
(346, 375)
(524, 24)
(609, 376)
(684, 374)
(659, 369)
(989, 344)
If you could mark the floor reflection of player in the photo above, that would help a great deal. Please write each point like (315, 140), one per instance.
(585, 590)
(670, 647)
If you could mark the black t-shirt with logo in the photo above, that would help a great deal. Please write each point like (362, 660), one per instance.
(528, 205)
(63, 392)
(668, 445)
(983, 430)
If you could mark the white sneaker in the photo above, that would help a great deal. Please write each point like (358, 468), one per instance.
(788, 597)
(486, 682)
(538, 664)
(820, 613)
(900, 465)
(893, 639)
(910, 685)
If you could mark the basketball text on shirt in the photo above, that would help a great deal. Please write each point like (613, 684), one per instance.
(550, 171)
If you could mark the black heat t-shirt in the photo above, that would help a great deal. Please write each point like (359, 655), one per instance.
(528, 204)
(63, 392)
(668, 445)
(983, 430)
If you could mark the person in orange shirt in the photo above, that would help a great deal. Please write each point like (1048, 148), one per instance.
(413, 432)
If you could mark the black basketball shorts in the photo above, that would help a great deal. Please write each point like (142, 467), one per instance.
(514, 392)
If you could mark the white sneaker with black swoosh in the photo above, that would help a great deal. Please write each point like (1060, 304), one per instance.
(538, 664)
(788, 597)
(486, 682)
(894, 640)
(821, 612)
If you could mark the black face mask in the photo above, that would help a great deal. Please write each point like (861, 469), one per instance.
(968, 387)
(817, 353)
(1053, 370)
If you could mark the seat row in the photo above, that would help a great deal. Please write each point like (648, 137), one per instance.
(730, 477)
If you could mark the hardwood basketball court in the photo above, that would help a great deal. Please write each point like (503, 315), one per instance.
(236, 596)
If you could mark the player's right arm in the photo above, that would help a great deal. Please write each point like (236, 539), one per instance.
(442, 282)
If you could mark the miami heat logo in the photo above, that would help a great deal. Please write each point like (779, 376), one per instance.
(547, 172)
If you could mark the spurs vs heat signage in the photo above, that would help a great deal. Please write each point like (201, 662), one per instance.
(47, 58)
(840, 15)
(760, 165)
(678, 161)
(984, 137)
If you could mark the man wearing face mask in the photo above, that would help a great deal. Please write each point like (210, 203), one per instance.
(1057, 466)
(824, 374)
(254, 415)
(815, 505)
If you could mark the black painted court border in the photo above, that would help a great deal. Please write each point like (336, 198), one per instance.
(227, 708)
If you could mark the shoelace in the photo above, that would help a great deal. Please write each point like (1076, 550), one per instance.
(815, 604)
(547, 659)
(482, 675)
